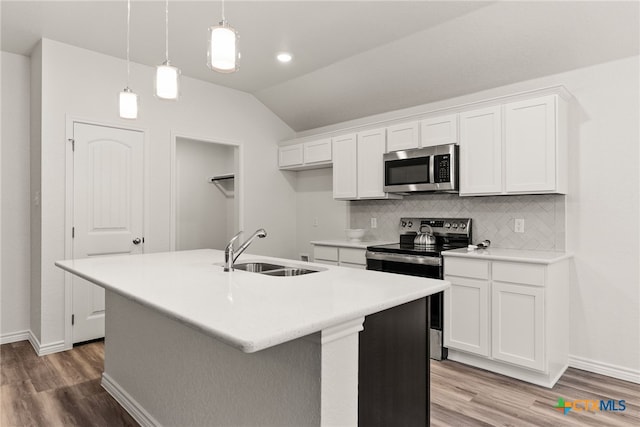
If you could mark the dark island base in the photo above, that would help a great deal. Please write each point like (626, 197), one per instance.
(393, 378)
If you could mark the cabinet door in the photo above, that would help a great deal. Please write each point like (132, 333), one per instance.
(290, 155)
(530, 145)
(345, 164)
(371, 145)
(517, 332)
(439, 130)
(466, 315)
(317, 151)
(481, 152)
(403, 136)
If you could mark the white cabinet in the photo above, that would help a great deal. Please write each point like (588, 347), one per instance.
(305, 155)
(345, 167)
(439, 130)
(530, 145)
(466, 315)
(290, 155)
(481, 151)
(337, 255)
(517, 147)
(357, 166)
(371, 146)
(518, 324)
(503, 315)
(403, 136)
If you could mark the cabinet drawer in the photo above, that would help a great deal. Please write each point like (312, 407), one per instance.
(517, 272)
(321, 261)
(329, 253)
(351, 265)
(353, 256)
(466, 268)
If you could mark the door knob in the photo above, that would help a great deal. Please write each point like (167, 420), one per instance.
(136, 241)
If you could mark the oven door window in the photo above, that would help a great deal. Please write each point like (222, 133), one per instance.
(407, 171)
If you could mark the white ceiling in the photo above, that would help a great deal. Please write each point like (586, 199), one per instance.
(352, 59)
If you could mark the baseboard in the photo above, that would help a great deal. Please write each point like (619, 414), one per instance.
(607, 369)
(44, 349)
(128, 403)
(14, 337)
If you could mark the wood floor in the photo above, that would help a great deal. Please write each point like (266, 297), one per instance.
(63, 389)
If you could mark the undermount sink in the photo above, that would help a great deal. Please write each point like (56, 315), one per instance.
(274, 269)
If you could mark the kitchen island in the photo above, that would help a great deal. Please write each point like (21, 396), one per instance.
(189, 344)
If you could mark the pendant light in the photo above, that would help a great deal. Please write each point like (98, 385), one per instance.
(223, 54)
(167, 83)
(128, 99)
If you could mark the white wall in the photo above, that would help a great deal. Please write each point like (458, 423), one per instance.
(15, 288)
(204, 212)
(319, 217)
(78, 82)
(602, 207)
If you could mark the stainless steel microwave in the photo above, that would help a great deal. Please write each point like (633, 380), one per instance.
(422, 169)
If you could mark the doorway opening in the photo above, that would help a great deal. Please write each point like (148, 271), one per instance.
(206, 193)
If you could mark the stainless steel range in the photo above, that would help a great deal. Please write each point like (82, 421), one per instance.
(418, 254)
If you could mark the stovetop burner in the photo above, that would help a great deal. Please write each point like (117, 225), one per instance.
(411, 249)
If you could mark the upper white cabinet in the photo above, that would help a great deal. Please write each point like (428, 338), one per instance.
(357, 166)
(517, 147)
(290, 155)
(345, 164)
(530, 146)
(305, 155)
(371, 147)
(481, 151)
(403, 136)
(439, 130)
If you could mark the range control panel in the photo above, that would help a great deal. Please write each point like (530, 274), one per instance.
(440, 226)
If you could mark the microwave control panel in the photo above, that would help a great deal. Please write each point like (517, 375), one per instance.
(442, 168)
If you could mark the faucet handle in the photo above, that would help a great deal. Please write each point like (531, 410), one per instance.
(233, 239)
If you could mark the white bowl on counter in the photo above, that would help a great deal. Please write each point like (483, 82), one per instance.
(355, 234)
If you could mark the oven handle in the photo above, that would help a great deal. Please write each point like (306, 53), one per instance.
(407, 259)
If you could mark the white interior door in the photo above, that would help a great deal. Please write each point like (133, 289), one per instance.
(107, 211)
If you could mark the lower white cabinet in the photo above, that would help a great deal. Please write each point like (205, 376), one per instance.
(518, 324)
(342, 256)
(508, 317)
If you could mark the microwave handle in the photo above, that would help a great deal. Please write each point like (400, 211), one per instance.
(432, 176)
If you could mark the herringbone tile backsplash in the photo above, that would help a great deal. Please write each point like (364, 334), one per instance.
(493, 217)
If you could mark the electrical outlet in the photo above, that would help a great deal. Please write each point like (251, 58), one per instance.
(374, 222)
(315, 221)
(519, 225)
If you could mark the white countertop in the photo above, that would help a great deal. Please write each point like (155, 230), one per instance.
(350, 244)
(498, 254)
(249, 311)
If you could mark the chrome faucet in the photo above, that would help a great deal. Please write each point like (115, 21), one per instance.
(230, 254)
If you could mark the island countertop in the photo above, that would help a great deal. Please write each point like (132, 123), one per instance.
(246, 310)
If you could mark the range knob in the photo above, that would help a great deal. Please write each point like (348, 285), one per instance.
(447, 225)
(463, 225)
(410, 224)
(403, 223)
(454, 225)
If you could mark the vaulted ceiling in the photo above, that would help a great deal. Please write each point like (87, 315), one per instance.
(351, 58)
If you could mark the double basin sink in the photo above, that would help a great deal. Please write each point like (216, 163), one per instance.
(273, 269)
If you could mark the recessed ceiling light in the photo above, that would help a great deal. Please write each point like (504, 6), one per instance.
(284, 57)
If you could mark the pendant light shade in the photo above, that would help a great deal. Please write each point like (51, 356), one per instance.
(167, 81)
(223, 54)
(128, 99)
(128, 104)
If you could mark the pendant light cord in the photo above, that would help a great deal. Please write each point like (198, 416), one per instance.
(128, 36)
(223, 20)
(166, 26)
